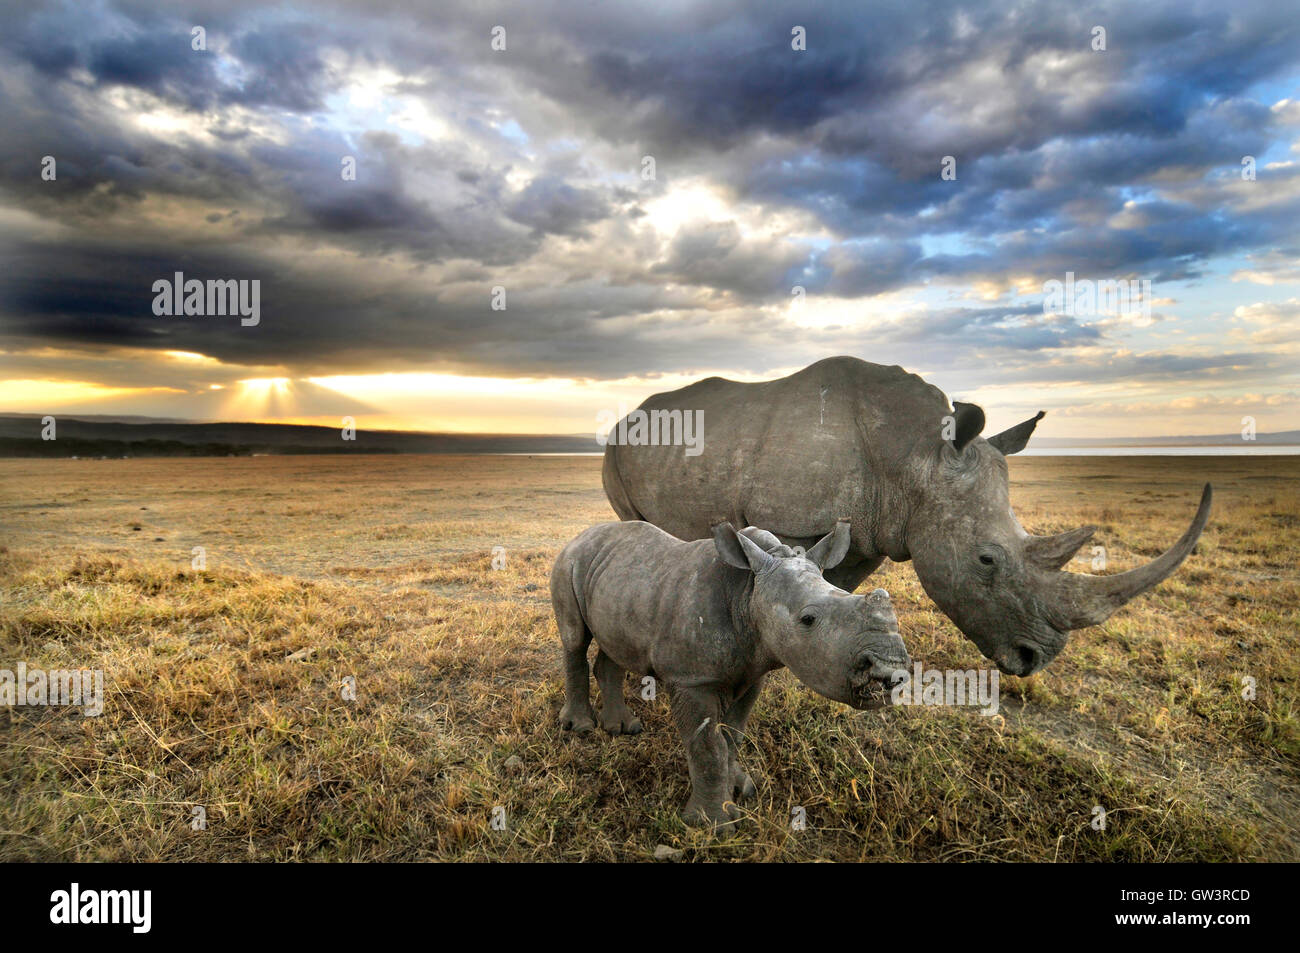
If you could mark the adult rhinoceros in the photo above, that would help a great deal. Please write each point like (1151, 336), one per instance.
(845, 438)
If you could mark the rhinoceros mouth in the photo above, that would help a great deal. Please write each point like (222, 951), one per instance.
(871, 694)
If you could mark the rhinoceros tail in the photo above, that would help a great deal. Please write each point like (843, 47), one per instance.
(615, 489)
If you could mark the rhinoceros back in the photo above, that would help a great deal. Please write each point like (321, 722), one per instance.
(791, 455)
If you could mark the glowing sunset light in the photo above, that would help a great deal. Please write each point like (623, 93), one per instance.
(21, 396)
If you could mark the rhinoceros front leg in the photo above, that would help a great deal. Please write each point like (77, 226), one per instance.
(697, 713)
(615, 716)
(734, 721)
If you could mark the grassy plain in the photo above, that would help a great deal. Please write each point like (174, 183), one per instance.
(223, 684)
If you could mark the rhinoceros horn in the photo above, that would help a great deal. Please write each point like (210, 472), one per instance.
(1053, 552)
(1078, 600)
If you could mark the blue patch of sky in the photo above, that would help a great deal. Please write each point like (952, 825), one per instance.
(947, 243)
(511, 130)
(1269, 91)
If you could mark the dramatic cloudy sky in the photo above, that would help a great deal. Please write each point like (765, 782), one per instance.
(524, 168)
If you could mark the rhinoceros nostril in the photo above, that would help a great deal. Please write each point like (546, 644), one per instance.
(865, 662)
(1028, 657)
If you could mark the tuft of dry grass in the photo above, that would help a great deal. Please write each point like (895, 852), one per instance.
(225, 686)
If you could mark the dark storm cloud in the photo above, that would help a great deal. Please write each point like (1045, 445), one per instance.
(284, 66)
(316, 321)
(151, 49)
(113, 49)
(715, 256)
(1103, 164)
(550, 205)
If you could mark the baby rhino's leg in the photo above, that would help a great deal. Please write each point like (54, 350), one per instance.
(615, 716)
(576, 715)
(698, 713)
(735, 719)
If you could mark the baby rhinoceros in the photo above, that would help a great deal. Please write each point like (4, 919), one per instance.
(708, 620)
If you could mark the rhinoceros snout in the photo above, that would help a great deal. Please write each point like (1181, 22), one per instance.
(1023, 659)
(874, 664)
(873, 676)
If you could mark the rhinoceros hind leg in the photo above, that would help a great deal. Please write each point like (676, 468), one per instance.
(615, 716)
(576, 715)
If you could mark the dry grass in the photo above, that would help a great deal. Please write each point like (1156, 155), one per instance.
(224, 685)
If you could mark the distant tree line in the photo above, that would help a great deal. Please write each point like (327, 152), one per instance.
(74, 447)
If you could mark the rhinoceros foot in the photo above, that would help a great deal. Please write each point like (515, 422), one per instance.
(579, 719)
(620, 722)
(723, 818)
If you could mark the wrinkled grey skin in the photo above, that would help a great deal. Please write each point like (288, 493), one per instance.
(845, 438)
(708, 620)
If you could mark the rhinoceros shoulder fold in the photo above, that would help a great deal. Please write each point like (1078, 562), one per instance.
(872, 376)
(696, 388)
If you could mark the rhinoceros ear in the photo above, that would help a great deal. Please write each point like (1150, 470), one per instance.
(766, 541)
(831, 548)
(1014, 440)
(737, 550)
(969, 420)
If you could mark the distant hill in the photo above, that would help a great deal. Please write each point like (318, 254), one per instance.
(1282, 437)
(108, 436)
(20, 436)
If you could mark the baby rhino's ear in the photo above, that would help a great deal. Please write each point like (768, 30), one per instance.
(765, 540)
(832, 547)
(737, 550)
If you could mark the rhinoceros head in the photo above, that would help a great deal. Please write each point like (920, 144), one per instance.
(843, 646)
(1003, 587)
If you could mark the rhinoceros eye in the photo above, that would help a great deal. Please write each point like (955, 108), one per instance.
(991, 559)
(807, 618)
